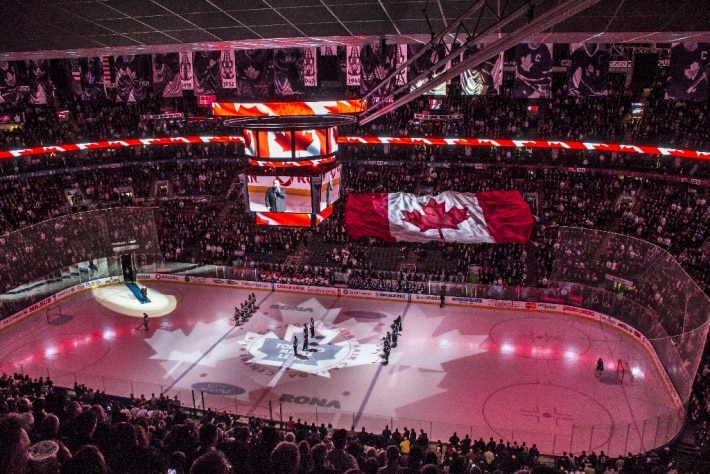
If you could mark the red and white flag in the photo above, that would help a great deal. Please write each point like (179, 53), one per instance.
(485, 217)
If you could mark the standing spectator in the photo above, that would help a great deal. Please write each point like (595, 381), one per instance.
(341, 460)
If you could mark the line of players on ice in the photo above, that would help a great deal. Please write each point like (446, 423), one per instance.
(243, 312)
(389, 341)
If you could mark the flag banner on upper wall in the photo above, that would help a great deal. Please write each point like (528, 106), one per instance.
(401, 57)
(133, 77)
(75, 70)
(353, 66)
(310, 67)
(589, 74)
(689, 69)
(378, 61)
(206, 72)
(40, 83)
(485, 217)
(484, 79)
(227, 71)
(533, 71)
(252, 66)
(288, 72)
(186, 75)
(166, 74)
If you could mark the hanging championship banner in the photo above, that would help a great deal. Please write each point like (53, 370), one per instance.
(328, 50)
(689, 69)
(401, 58)
(589, 74)
(166, 74)
(227, 71)
(186, 78)
(353, 66)
(310, 67)
(533, 71)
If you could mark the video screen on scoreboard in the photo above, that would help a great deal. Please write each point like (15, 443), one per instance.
(326, 189)
(249, 142)
(274, 144)
(333, 140)
(285, 145)
(292, 194)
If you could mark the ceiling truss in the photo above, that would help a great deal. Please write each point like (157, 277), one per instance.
(425, 81)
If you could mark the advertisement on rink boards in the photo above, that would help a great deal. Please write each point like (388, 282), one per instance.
(55, 298)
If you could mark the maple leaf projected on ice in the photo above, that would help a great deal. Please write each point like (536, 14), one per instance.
(436, 217)
(176, 348)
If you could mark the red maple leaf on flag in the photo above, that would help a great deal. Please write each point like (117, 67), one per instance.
(436, 217)
(303, 140)
(283, 139)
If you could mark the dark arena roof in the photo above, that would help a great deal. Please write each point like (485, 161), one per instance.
(62, 28)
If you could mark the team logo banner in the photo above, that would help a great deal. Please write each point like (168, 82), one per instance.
(288, 71)
(689, 69)
(310, 67)
(13, 81)
(378, 61)
(227, 71)
(589, 75)
(353, 66)
(166, 74)
(533, 71)
(41, 87)
(186, 76)
(207, 78)
(91, 77)
(252, 65)
(133, 77)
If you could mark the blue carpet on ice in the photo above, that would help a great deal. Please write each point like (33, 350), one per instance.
(135, 289)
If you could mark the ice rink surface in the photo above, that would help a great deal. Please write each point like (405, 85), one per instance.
(513, 375)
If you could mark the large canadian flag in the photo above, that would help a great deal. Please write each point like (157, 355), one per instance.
(485, 217)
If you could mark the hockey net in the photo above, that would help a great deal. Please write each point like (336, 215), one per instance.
(622, 371)
(54, 313)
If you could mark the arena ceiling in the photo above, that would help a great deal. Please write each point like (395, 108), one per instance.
(63, 28)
